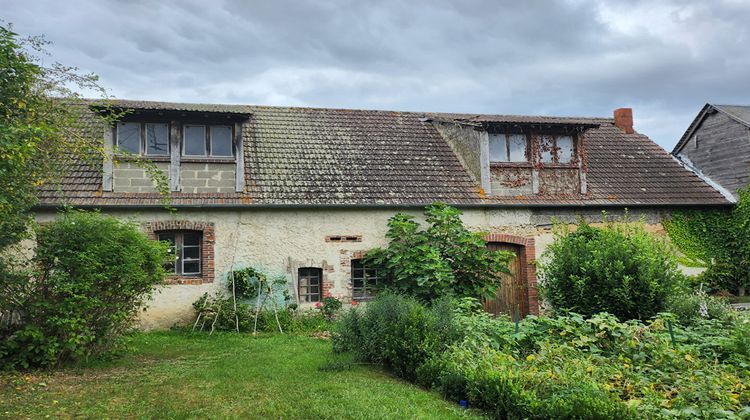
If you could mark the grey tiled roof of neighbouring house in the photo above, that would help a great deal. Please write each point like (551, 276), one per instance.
(317, 156)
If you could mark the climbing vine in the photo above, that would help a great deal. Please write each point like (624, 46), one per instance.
(718, 240)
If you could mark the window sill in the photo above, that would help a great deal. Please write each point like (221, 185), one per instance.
(552, 165)
(198, 159)
(510, 164)
(134, 158)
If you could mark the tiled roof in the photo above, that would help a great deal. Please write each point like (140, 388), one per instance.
(740, 113)
(314, 156)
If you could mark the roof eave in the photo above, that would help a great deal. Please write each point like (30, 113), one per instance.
(394, 205)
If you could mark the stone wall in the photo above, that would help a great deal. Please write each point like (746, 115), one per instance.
(284, 240)
(207, 177)
(131, 178)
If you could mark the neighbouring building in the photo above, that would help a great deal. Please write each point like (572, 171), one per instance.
(305, 191)
(716, 146)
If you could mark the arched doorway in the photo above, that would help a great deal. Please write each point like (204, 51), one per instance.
(517, 294)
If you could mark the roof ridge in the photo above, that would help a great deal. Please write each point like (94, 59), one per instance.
(135, 102)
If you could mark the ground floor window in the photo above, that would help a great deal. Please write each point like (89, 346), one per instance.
(364, 280)
(185, 246)
(309, 280)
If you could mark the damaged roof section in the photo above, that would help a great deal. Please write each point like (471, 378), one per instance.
(317, 156)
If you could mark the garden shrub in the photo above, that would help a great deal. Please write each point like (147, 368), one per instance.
(445, 259)
(693, 307)
(567, 366)
(92, 273)
(396, 331)
(617, 268)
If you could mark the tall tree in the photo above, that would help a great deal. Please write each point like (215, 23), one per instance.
(44, 127)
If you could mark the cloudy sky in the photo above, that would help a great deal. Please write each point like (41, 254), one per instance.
(664, 59)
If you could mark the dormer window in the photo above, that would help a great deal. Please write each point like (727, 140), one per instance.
(143, 138)
(202, 140)
(508, 147)
(557, 149)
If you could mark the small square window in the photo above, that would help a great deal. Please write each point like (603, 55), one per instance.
(194, 139)
(129, 137)
(309, 280)
(221, 140)
(157, 139)
(364, 280)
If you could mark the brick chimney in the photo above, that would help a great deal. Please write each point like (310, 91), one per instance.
(624, 120)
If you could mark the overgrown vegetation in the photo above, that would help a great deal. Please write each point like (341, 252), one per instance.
(617, 268)
(88, 277)
(258, 301)
(558, 367)
(443, 259)
(718, 240)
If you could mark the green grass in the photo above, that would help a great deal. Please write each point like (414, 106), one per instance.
(179, 375)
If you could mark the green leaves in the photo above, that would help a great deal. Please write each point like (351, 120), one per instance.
(446, 259)
(92, 274)
(718, 240)
(618, 268)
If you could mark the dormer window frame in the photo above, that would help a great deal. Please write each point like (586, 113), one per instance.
(508, 150)
(555, 150)
(143, 146)
(208, 141)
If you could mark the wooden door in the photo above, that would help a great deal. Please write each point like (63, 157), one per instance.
(512, 297)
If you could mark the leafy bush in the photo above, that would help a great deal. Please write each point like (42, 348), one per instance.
(329, 307)
(618, 268)
(92, 274)
(446, 259)
(397, 332)
(557, 367)
(693, 307)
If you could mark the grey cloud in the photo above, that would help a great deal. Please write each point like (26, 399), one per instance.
(576, 57)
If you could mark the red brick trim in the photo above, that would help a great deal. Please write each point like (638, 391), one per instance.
(207, 247)
(528, 264)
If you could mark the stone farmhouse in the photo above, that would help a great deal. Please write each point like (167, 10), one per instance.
(305, 192)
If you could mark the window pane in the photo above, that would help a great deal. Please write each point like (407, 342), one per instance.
(565, 149)
(171, 266)
(191, 267)
(157, 139)
(129, 137)
(517, 147)
(191, 252)
(191, 238)
(169, 237)
(221, 140)
(548, 143)
(498, 149)
(195, 140)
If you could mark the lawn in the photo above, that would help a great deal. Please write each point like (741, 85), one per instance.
(179, 375)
